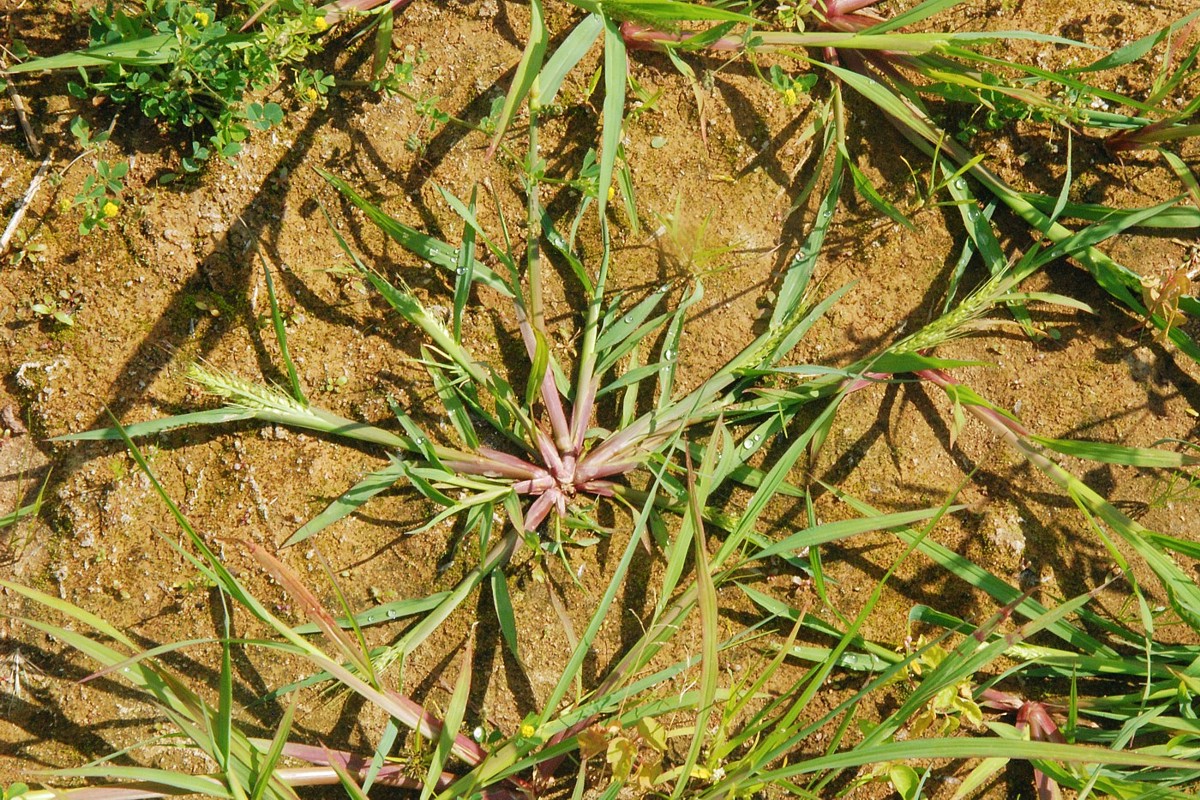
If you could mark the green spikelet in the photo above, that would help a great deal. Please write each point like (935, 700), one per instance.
(275, 406)
(238, 392)
(961, 320)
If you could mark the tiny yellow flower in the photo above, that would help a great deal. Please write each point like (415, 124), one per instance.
(202, 18)
(527, 730)
(310, 94)
(64, 205)
(789, 96)
(320, 24)
(110, 209)
(612, 192)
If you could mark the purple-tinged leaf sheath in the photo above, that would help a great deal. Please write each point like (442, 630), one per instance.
(549, 391)
(495, 464)
(539, 509)
(581, 415)
(592, 469)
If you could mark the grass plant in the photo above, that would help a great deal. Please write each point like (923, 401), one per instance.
(903, 74)
(558, 463)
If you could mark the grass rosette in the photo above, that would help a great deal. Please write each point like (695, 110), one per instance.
(533, 484)
(545, 461)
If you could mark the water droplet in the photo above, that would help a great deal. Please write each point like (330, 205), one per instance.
(391, 614)
(752, 441)
(628, 319)
(668, 355)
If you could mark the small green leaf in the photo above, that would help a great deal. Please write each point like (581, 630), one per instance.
(504, 611)
(905, 781)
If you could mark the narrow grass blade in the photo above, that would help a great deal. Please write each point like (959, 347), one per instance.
(349, 502)
(1136, 49)
(680, 545)
(1182, 592)
(349, 784)
(216, 416)
(21, 513)
(979, 776)
(598, 616)
(623, 329)
(422, 245)
(1183, 172)
(1118, 454)
(878, 655)
(456, 710)
(349, 648)
(974, 575)
(266, 767)
(171, 782)
(800, 269)
(161, 48)
(572, 50)
(504, 612)
(776, 476)
(224, 718)
(383, 43)
(464, 273)
(833, 531)
(496, 558)
(1172, 217)
(74, 612)
(867, 191)
(452, 401)
(961, 747)
(670, 346)
(385, 612)
(914, 15)
(563, 247)
(706, 599)
(539, 364)
(613, 113)
(527, 72)
(629, 401)
(281, 337)
(391, 732)
(628, 199)
(666, 12)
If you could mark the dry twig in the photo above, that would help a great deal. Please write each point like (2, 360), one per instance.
(23, 205)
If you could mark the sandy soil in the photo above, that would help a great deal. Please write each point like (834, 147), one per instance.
(178, 279)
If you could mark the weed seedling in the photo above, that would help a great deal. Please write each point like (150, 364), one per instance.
(61, 308)
(19, 676)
